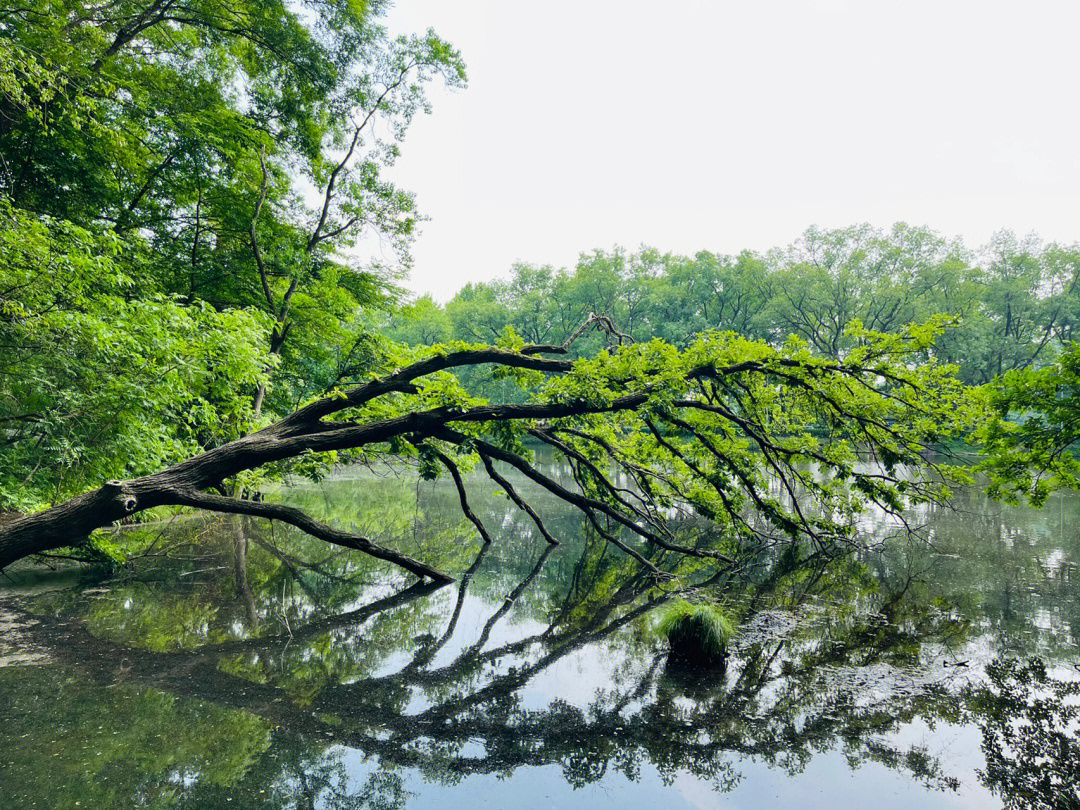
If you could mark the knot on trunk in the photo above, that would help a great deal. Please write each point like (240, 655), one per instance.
(118, 490)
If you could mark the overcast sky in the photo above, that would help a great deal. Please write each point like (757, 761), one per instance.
(732, 125)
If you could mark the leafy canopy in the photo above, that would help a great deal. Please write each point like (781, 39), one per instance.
(1029, 447)
(185, 186)
(764, 441)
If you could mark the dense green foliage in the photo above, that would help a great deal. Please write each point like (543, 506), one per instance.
(99, 382)
(185, 187)
(1016, 301)
(182, 186)
(1030, 446)
(763, 441)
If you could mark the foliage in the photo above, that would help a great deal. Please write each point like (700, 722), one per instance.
(183, 188)
(717, 439)
(1029, 446)
(1015, 301)
(696, 631)
(764, 442)
(97, 383)
(183, 192)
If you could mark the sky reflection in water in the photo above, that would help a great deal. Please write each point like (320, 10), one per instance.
(249, 666)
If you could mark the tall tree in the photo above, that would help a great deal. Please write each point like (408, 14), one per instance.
(214, 166)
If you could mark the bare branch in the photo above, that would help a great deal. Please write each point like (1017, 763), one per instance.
(455, 473)
(317, 234)
(294, 517)
(581, 501)
(602, 322)
(522, 504)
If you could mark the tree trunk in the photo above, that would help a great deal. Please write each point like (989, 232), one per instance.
(72, 522)
(68, 524)
(185, 483)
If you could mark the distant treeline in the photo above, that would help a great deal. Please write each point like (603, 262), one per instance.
(1016, 300)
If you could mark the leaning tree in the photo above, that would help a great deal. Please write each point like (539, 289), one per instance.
(770, 444)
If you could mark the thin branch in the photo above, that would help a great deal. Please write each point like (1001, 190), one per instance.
(455, 473)
(602, 322)
(259, 263)
(581, 501)
(317, 235)
(619, 544)
(522, 504)
(294, 517)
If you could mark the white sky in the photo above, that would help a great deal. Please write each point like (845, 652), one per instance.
(731, 125)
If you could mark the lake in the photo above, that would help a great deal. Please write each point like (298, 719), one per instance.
(242, 664)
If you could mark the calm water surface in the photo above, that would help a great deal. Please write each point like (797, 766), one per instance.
(244, 665)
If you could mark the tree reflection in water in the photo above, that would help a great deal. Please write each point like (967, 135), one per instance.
(263, 675)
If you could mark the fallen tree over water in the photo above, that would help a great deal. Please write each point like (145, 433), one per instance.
(763, 441)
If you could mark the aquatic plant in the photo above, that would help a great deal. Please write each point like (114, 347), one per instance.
(697, 632)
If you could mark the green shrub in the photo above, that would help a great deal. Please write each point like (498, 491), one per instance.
(697, 632)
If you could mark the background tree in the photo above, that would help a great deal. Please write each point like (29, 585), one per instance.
(1030, 447)
(184, 190)
(1015, 301)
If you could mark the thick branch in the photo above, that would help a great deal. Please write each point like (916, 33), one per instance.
(400, 379)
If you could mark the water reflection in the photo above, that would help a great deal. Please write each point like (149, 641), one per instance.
(240, 664)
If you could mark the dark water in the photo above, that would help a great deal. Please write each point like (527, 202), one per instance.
(244, 665)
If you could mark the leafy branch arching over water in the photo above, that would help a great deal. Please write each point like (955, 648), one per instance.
(764, 442)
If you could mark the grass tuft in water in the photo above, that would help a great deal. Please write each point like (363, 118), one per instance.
(697, 632)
